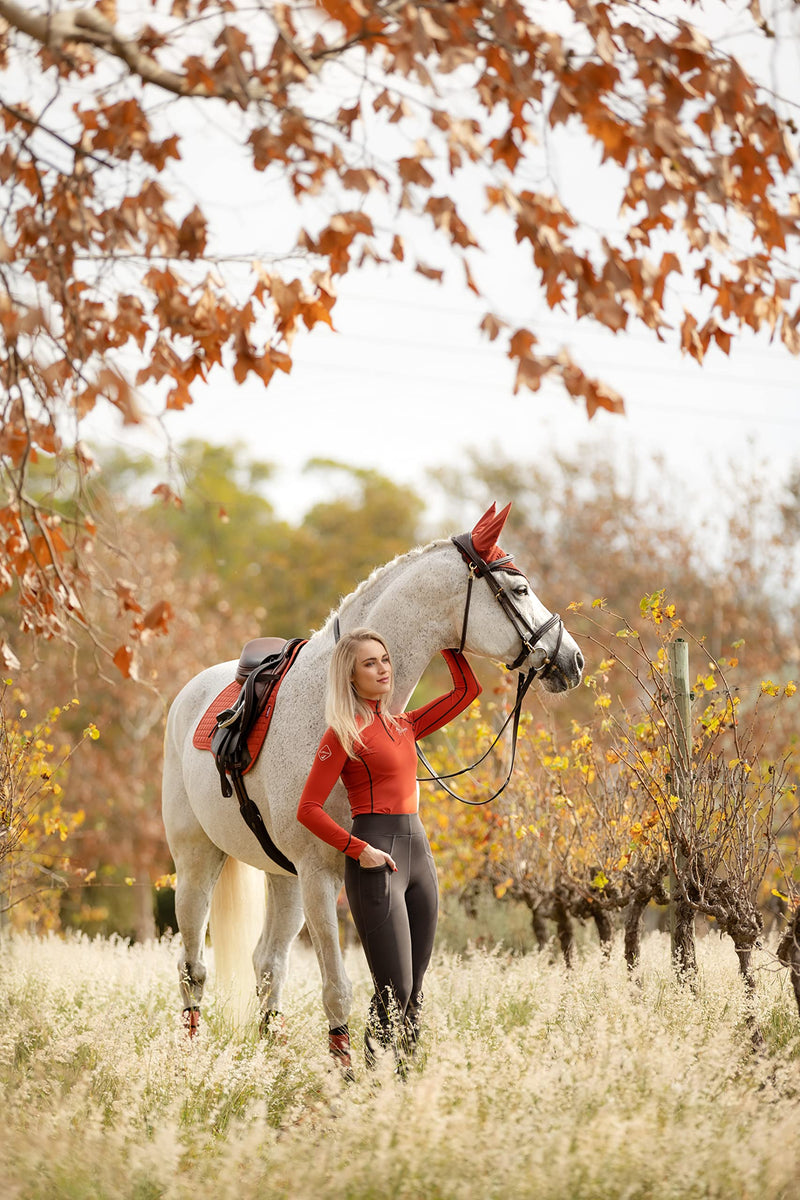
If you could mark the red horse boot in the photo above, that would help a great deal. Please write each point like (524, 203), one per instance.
(191, 1020)
(339, 1047)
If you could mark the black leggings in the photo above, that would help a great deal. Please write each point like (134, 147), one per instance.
(395, 913)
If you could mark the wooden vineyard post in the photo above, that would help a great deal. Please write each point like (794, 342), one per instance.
(681, 912)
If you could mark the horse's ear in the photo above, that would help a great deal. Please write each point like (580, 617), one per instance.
(488, 529)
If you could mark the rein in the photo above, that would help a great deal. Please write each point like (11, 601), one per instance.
(528, 635)
(523, 683)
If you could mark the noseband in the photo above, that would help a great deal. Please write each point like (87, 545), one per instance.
(528, 635)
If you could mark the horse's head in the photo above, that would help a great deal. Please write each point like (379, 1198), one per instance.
(503, 617)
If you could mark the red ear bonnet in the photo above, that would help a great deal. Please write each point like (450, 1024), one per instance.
(486, 533)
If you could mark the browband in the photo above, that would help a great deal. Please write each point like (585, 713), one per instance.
(476, 563)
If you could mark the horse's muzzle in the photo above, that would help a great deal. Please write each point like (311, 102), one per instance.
(565, 672)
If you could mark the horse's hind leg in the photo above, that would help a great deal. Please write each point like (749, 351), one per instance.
(196, 876)
(198, 863)
(284, 921)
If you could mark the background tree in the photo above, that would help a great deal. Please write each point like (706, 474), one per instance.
(594, 824)
(397, 120)
(35, 820)
(576, 526)
(199, 599)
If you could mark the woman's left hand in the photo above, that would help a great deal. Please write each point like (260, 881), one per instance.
(372, 857)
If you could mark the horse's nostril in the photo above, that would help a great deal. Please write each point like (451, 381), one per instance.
(579, 663)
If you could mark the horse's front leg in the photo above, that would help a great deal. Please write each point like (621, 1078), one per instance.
(321, 885)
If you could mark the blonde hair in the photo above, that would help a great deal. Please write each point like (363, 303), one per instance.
(343, 705)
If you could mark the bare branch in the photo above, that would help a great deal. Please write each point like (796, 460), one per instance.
(87, 26)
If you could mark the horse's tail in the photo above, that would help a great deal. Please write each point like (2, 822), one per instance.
(237, 916)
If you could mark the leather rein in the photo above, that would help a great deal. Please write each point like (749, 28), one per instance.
(529, 637)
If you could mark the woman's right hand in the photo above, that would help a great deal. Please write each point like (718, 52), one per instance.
(370, 857)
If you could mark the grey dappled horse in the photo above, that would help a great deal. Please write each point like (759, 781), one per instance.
(417, 602)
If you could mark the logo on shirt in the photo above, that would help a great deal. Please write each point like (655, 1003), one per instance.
(325, 752)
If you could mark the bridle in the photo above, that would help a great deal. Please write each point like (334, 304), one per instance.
(529, 636)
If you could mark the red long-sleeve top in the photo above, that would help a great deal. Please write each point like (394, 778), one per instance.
(382, 776)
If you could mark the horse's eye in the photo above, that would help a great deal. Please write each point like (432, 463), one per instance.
(522, 590)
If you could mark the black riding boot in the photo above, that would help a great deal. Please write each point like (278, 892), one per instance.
(382, 1031)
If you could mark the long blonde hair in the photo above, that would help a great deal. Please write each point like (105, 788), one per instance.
(343, 705)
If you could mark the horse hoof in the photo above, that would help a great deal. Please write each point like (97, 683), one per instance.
(191, 1021)
(272, 1027)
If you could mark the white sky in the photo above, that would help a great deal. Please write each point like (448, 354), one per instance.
(407, 381)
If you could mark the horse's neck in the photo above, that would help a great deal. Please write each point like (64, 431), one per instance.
(412, 607)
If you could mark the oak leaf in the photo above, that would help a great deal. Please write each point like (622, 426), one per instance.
(123, 660)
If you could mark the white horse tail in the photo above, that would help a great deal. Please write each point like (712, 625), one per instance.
(237, 918)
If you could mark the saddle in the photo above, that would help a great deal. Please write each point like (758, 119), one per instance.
(235, 733)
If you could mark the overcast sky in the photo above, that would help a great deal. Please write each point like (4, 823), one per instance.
(407, 382)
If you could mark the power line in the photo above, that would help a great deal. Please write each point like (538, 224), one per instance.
(487, 351)
(551, 322)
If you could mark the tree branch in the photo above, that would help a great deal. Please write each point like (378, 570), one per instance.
(90, 27)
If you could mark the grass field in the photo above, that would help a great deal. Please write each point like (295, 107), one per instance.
(535, 1083)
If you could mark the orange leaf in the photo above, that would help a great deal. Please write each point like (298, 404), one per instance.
(126, 596)
(123, 661)
(491, 326)
(158, 617)
(165, 493)
(411, 170)
(521, 342)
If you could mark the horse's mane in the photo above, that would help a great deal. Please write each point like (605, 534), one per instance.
(380, 578)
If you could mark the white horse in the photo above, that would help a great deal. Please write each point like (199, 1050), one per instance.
(417, 602)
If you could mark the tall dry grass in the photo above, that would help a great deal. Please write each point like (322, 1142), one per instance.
(536, 1083)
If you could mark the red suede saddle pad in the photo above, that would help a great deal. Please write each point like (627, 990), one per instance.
(226, 699)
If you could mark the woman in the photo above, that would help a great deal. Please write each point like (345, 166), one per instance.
(390, 877)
